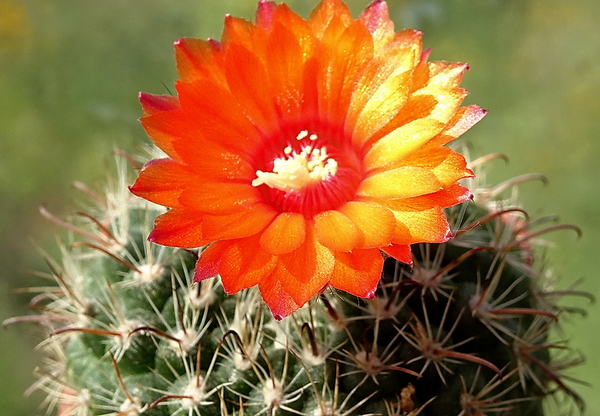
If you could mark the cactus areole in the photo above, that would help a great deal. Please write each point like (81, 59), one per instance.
(300, 153)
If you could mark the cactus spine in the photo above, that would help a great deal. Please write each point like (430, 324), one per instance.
(463, 332)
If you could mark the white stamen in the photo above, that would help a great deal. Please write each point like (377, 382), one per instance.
(296, 170)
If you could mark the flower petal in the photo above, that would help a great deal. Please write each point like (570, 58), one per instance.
(447, 197)
(305, 271)
(401, 142)
(342, 59)
(219, 197)
(245, 34)
(162, 180)
(286, 233)
(384, 102)
(245, 264)
(214, 114)
(279, 301)
(286, 70)
(264, 14)
(327, 11)
(243, 223)
(358, 272)
(152, 104)
(211, 160)
(178, 228)
(210, 258)
(299, 27)
(249, 84)
(399, 252)
(292, 55)
(447, 165)
(336, 231)
(463, 120)
(402, 182)
(376, 223)
(377, 20)
(199, 59)
(163, 128)
(446, 74)
(428, 225)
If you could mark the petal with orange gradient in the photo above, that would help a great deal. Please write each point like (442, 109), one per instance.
(375, 223)
(162, 181)
(402, 182)
(280, 302)
(285, 234)
(152, 104)
(244, 222)
(399, 252)
(428, 225)
(357, 273)
(178, 228)
(305, 271)
(336, 231)
(245, 264)
(220, 198)
(197, 59)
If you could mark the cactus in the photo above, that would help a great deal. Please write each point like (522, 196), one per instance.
(464, 332)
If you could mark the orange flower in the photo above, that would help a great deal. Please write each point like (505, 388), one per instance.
(299, 150)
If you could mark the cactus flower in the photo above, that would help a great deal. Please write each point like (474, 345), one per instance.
(299, 152)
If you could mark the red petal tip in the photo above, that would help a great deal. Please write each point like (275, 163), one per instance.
(447, 237)
(152, 103)
(151, 237)
(425, 54)
(402, 253)
(199, 277)
(214, 43)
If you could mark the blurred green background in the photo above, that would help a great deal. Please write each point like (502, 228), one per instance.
(70, 72)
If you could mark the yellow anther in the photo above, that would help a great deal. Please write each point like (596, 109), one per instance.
(302, 135)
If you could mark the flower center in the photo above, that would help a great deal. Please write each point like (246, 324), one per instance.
(297, 169)
(308, 172)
